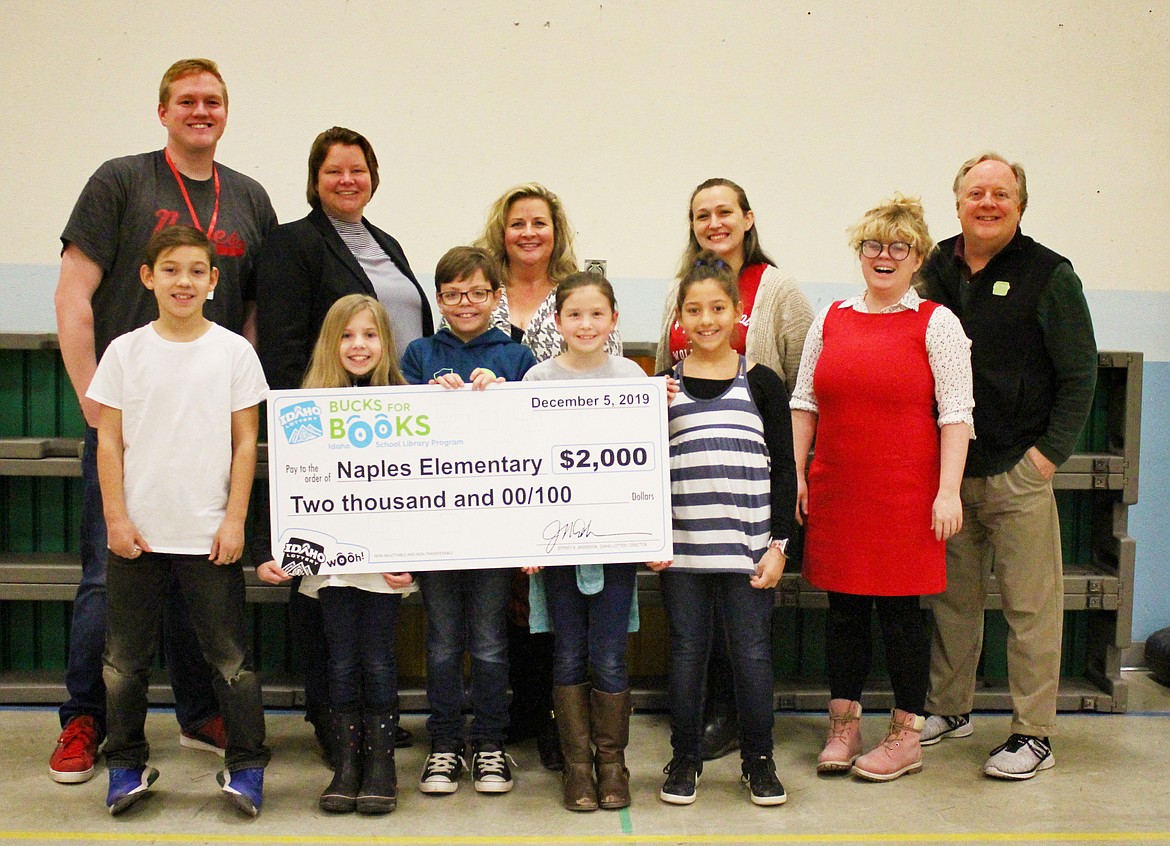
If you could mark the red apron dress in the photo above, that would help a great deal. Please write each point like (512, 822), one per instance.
(874, 473)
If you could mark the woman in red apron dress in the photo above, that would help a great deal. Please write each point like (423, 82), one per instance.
(885, 387)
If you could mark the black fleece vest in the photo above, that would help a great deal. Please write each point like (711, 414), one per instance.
(1015, 380)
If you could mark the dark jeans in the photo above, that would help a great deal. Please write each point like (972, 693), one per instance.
(849, 646)
(137, 590)
(190, 675)
(590, 629)
(466, 613)
(692, 599)
(361, 630)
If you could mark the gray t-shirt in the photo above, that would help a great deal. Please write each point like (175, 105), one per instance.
(615, 367)
(127, 200)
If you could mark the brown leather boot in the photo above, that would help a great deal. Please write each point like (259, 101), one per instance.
(611, 734)
(843, 745)
(571, 705)
(898, 754)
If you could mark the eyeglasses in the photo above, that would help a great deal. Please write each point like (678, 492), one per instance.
(476, 296)
(898, 250)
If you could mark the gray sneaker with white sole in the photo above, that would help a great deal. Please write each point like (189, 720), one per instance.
(939, 726)
(1020, 757)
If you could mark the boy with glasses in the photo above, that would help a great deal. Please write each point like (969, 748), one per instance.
(466, 609)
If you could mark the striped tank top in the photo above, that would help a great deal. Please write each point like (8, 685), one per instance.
(720, 479)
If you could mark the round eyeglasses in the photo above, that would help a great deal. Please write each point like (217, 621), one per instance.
(476, 296)
(898, 250)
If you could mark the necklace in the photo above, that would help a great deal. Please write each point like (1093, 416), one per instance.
(187, 197)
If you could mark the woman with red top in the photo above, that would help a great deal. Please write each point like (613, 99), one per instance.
(776, 317)
(885, 387)
(776, 314)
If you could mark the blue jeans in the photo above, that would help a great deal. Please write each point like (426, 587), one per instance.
(137, 590)
(190, 675)
(361, 630)
(466, 612)
(590, 629)
(692, 599)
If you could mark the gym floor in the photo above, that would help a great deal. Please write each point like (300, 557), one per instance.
(1109, 785)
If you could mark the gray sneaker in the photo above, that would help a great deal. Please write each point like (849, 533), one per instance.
(1020, 757)
(939, 726)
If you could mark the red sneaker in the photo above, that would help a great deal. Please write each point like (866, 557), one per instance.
(210, 736)
(77, 750)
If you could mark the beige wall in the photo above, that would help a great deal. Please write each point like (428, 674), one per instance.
(819, 109)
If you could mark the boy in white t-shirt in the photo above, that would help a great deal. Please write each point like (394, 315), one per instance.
(176, 456)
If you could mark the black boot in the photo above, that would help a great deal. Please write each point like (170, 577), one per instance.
(379, 790)
(323, 732)
(340, 797)
(720, 724)
(403, 738)
(531, 710)
(548, 744)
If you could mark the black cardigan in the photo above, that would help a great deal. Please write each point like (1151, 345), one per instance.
(304, 268)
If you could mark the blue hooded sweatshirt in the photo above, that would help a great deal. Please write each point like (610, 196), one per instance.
(443, 352)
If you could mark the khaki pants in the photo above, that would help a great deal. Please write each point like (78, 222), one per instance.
(1010, 524)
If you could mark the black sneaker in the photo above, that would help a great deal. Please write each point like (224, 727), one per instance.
(682, 780)
(442, 771)
(759, 774)
(489, 768)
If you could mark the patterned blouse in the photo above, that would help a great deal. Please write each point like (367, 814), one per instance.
(542, 336)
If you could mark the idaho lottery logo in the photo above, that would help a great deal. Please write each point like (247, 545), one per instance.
(307, 553)
(301, 422)
(302, 557)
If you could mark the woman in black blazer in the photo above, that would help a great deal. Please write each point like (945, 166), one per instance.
(302, 269)
(306, 266)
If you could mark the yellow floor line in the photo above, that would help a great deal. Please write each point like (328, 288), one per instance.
(505, 840)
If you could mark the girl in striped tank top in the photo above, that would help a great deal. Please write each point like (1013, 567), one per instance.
(733, 491)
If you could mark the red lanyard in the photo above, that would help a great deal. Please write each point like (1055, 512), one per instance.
(187, 198)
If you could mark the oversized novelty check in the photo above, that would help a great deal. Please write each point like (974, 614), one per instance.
(426, 478)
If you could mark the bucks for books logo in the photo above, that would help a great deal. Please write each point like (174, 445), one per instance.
(301, 422)
(302, 557)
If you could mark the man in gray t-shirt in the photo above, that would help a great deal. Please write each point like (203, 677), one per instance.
(99, 297)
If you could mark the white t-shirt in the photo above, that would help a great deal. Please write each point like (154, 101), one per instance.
(177, 401)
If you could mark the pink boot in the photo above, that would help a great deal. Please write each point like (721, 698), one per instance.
(898, 754)
(844, 744)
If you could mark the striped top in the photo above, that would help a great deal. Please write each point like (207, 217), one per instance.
(720, 480)
(396, 293)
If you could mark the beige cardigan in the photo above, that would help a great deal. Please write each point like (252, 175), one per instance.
(781, 316)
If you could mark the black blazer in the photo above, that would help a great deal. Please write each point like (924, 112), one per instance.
(304, 268)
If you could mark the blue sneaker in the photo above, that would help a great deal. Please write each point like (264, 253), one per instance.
(244, 787)
(127, 786)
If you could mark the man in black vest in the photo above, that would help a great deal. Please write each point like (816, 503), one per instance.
(1034, 361)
